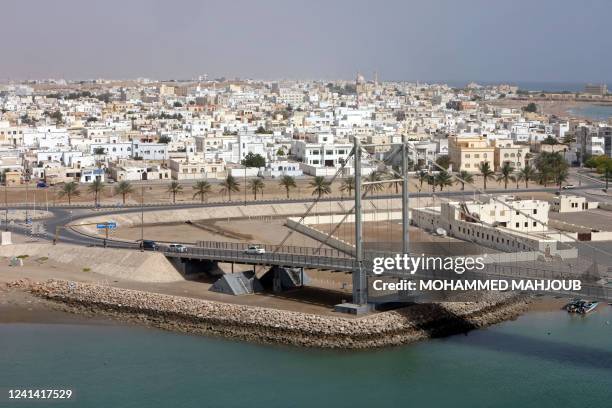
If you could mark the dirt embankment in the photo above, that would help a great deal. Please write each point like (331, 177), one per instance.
(114, 263)
(277, 326)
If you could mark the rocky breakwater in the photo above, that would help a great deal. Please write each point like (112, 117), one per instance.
(277, 326)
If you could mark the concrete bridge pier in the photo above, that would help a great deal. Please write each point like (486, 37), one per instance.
(282, 278)
(195, 267)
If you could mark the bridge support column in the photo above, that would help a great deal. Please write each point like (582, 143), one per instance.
(405, 196)
(359, 279)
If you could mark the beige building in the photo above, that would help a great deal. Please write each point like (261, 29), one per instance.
(571, 203)
(504, 224)
(468, 152)
(184, 169)
(12, 178)
(506, 151)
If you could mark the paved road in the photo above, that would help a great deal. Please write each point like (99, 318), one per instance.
(64, 215)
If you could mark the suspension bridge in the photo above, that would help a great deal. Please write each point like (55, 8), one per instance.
(343, 247)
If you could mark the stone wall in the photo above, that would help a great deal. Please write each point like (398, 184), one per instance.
(279, 326)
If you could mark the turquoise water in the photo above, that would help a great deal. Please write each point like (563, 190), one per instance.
(544, 359)
(597, 112)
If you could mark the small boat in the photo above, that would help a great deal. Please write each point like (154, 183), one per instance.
(588, 307)
(574, 305)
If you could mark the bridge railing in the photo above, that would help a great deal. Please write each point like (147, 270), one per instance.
(278, 258)
(285, 249)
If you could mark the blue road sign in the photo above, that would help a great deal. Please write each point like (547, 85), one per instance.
(109, 225)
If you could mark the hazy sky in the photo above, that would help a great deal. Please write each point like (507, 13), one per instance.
(509, 40)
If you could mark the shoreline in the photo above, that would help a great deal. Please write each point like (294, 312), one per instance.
(264, 325)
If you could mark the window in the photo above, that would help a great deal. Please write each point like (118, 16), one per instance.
(535, 210)
(517, 225)
(535, 224)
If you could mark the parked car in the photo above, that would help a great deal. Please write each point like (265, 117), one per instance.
(254, 250)
(177, 248)
(148, 245)
(568, 187)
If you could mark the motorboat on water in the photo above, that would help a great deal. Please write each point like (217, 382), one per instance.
(581, 306)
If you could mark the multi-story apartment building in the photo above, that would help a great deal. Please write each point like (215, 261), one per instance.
(592, 141)
(506, 151)
(468, 152)
(321, 150)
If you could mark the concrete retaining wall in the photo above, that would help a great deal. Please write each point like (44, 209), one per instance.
(221, 213)
(117, 263)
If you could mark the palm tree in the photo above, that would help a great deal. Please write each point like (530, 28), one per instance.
(443, 179)
(348, 185)
(486, 173)
(230, 185)
(320, 186)
(526, 174)
(464, 177)
(423, 177)
(201, 189)
(431, 180)
(96, 187)
(374, 177)
(174, 188)
(287, 182)
(506, 174)
(256, 185)
(69, 190)
(393, 175)
(561, 177)
(544, 176)
(124, 188)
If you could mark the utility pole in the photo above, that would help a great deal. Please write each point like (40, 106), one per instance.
(359, 289)
(5, 205)
(26, 199)
(142, 218)
(405, 196)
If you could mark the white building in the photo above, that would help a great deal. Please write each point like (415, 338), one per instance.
(320, 150)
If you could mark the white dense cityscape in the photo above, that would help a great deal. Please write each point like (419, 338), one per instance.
(281, 203)
(58, 131)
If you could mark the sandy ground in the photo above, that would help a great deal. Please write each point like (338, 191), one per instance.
(263, 232)
(561, 109)
(157, 193)
(327, 289)
(596, 219)
(387, 236)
